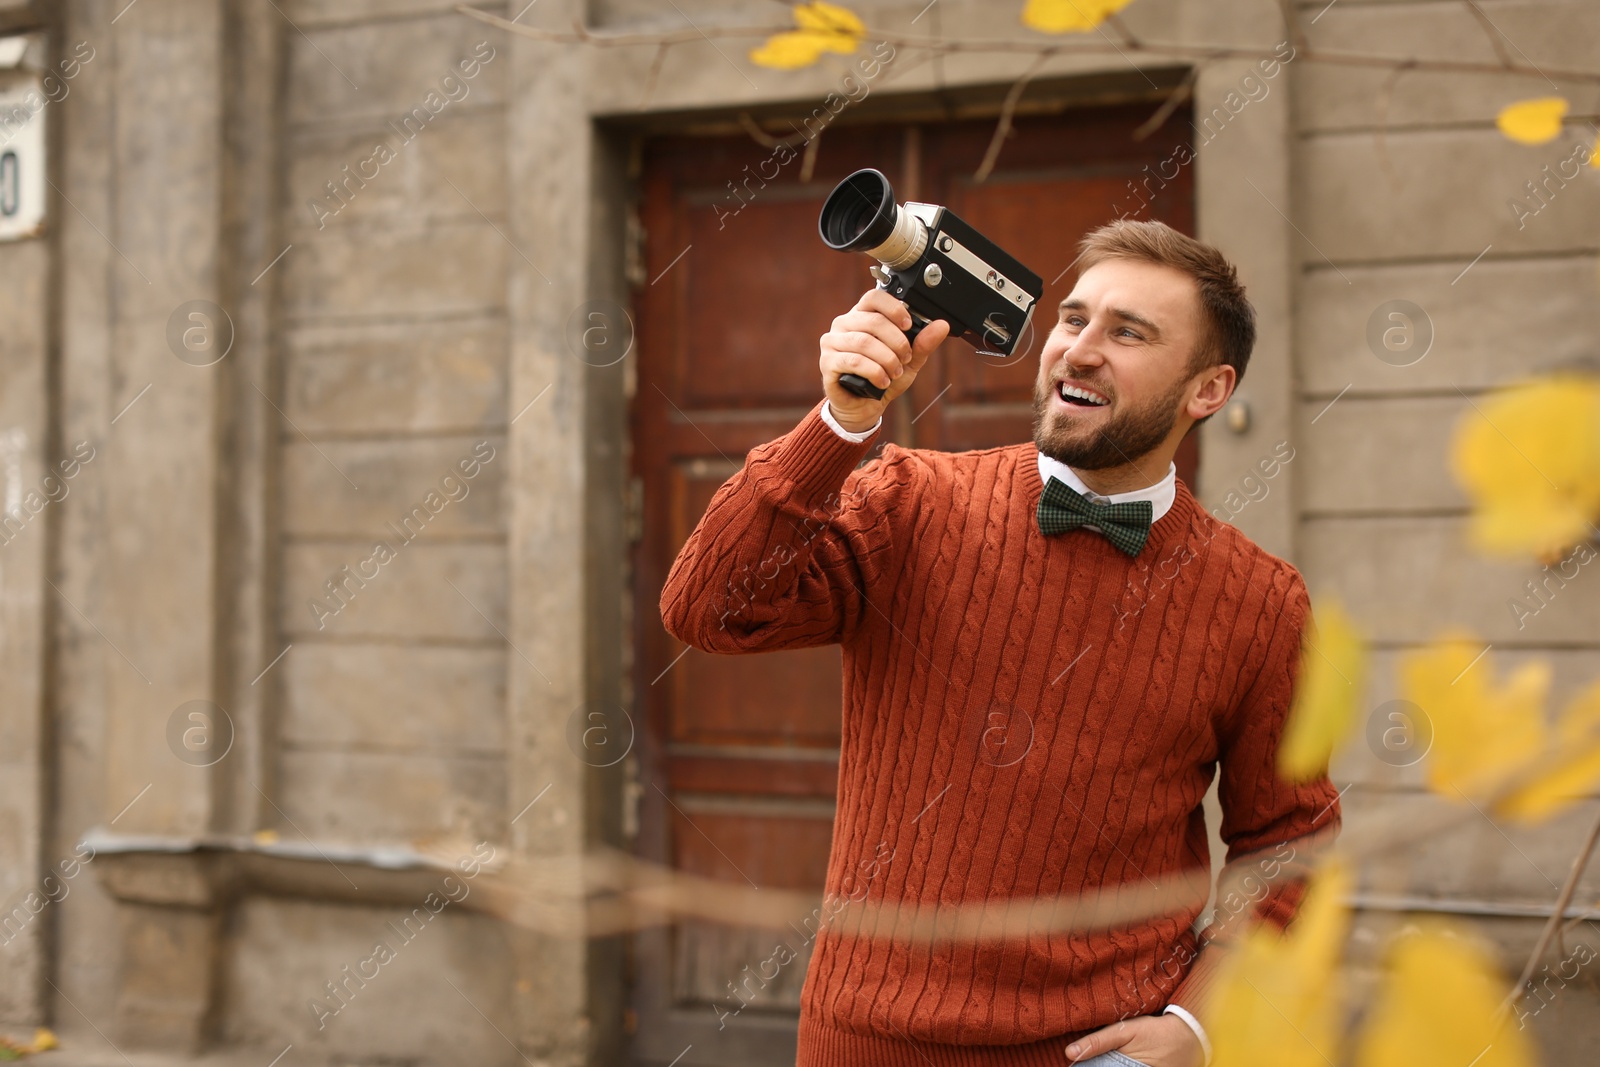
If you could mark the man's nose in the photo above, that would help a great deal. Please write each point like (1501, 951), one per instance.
(1085, 350)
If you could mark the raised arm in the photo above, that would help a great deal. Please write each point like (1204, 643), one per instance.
(789, 546)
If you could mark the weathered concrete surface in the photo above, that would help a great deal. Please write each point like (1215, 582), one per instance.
(426, 313)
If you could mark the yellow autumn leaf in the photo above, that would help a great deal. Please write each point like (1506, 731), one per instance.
(823, 28)
(832, 19)
(1278, 996)
(1437, 1006)
(1529, 458)
(265, 837)
(1533, 121)
(1573, 769)
(1332, 672)
(1483, 731)
(1069, 16)
(788, 51)
(44, 1040)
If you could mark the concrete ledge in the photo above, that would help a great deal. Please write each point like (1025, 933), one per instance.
(172, 895)
(211, 871)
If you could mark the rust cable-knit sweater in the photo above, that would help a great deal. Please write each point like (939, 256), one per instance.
(1023, 717)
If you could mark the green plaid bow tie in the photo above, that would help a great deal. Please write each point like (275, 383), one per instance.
(1126, 525)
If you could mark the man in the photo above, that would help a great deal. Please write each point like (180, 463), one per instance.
(1048, 650)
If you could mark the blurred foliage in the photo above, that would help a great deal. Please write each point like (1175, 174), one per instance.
(43, 1041)
(1484, 731)
(1438, 1005)
(822, 28)
(1069, 16)
(1533, 121)
(1529, 458)
(1279, 997)
(1333, 666)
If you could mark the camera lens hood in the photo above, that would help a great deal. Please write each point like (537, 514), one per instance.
(860, 213)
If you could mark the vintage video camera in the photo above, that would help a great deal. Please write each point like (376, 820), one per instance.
(941, 267)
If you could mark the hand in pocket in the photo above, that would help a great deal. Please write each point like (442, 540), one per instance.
(1143, 1041)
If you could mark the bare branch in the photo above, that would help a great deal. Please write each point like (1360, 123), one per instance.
(1181, 92)
(765, 139)
(582, 35)
(1385, 98)
(1562, 901)
(1002, 45)
(1122, 30)
(654, 75)
(1490, 32)
(1291, 25)
(1002, 129)
(808, 162)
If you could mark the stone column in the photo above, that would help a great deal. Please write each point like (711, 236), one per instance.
(160, 597)
(564, 525)
(1244, 203)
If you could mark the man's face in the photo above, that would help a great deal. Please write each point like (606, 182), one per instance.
(1115, 372)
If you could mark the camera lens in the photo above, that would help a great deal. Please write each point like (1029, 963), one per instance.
(860, 215)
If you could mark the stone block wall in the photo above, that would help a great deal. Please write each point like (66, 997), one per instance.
(412, 317)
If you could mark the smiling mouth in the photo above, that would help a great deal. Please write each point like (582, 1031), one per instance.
(1079, 397)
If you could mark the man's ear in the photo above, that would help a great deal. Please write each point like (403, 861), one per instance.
(1216, 386)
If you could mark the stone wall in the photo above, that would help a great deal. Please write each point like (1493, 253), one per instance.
(412, 318)
(1404, 192)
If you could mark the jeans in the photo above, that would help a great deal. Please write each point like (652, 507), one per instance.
(1110, 1059)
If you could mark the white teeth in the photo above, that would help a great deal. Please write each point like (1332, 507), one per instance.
(1073, 391)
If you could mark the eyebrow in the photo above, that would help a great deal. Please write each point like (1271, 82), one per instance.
(1070, 304)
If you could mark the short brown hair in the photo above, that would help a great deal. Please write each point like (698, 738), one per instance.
(1230, 321)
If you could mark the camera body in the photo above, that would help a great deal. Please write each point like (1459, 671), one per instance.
(936, 263)
(964, 278)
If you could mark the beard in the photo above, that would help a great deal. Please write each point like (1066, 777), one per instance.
(1125, 438)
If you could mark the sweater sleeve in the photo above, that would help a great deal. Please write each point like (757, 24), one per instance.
(790, 546)
(1271, 826)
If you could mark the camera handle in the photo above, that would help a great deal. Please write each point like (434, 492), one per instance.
(855, 383)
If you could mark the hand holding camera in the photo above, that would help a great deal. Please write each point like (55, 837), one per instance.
(869, 341)
(937, 277)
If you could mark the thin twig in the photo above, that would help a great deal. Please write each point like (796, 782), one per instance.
(583, 35)
(1571, 924)
(1554, 922)
(808, 162)
(1490, 32)
(1002, 45)
(1183, 91)
(1291, 25)
(765, 139)
(1406, 833)
(1116, 23)
(655, 73)
(1385, 98)
(1002, 129)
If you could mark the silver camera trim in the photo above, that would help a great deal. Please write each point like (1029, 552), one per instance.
(976, 266)
(905, 243)
(966, 258)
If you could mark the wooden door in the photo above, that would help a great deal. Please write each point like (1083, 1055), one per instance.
(739, 754)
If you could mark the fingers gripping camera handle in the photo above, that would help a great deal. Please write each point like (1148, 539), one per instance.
(855, 383)
(860, 386)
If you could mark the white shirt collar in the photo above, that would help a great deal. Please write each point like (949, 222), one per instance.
(1161, 495)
